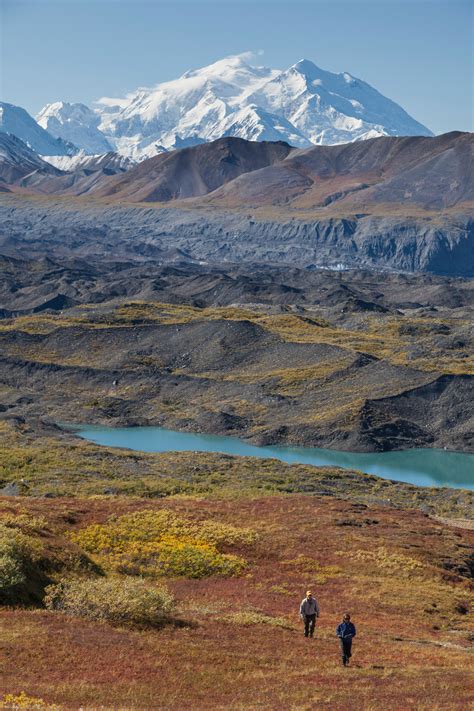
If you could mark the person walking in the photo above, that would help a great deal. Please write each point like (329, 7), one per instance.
(346, 632)
(309, 610)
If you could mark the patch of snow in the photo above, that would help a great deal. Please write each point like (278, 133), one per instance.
(84, 161)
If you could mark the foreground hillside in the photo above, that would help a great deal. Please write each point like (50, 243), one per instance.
(135, 581)
(236, 640)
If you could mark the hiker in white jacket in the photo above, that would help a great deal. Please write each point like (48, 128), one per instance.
(309, 610)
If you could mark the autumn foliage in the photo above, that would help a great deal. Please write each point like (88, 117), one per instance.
(162, 544)
(108, 639)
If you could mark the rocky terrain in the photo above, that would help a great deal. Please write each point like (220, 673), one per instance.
(228, 306)
(402, 204)
(354, 361)
(358, 360)
(64, 228)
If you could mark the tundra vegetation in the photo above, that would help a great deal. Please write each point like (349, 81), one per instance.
(134, 580)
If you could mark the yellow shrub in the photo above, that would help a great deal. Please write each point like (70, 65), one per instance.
(24, 522)
(174, 557)
(160, 543)
(390, 562)
(226, 534)
(23, 701)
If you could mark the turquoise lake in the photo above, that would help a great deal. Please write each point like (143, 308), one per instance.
(423, 467)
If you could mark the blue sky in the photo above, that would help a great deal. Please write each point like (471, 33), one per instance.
(417, 52)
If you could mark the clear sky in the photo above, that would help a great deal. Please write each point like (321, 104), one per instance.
(417, 52)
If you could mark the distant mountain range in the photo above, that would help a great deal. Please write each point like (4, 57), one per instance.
(240, 163)
(401, 203)
(302, 105)
(431, 173)
(21, 167)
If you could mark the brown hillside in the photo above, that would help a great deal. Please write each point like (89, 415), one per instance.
(192, 172)
(431, 172)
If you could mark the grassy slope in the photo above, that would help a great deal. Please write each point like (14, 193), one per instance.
(388, 566)
(382, 336)
(69, 466)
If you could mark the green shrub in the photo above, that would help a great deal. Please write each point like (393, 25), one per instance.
(17, 553)
(11, 568)
(121, 601)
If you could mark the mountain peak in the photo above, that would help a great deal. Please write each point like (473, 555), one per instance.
(302, 105)
(231, 63)
(305, 66)
(76, 123)
(62, 110)
(18, 122)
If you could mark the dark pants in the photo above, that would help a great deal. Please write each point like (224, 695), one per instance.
(346, 646)
(309, 623)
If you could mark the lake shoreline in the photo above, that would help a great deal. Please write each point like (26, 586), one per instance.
(41, 460)
(427, 467)
(266, 439)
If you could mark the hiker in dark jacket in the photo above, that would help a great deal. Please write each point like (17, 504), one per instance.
(309, 610)
(346, 632)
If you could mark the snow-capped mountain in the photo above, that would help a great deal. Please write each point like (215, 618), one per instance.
(18, 160)
(19, 123)
(75, 123)
(255, 124)
(333, 108)
(110, 163)
(199, 106)
(302, 105)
